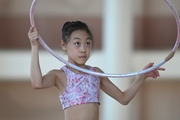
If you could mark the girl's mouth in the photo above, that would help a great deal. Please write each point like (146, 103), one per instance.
(82, 56)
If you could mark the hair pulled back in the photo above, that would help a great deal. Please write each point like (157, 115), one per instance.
(70, 27)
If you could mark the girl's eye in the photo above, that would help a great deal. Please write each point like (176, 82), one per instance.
(88, 43)
(77, 43)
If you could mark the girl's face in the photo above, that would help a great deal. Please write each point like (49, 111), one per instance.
(78, 48)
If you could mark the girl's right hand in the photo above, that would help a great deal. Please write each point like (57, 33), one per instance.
(33, 35)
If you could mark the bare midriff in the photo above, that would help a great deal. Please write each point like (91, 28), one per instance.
(89, 111)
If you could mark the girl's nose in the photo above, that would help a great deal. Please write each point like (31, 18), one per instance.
(82, 50)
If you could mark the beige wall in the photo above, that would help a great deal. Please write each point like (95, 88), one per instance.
(159, 7)
(19, 101)
(51, 8)
(160, 100)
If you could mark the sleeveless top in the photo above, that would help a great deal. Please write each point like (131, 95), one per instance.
(80, 88)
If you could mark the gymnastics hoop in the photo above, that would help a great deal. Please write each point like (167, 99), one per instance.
(167, 58)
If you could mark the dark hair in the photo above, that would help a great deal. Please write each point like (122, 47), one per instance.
(70, 27)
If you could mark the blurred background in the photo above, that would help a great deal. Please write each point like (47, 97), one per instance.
(128, 35)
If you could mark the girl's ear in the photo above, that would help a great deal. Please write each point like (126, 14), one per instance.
(63, 45)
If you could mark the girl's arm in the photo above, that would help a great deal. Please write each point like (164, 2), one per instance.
(125, 97)
(37, 80)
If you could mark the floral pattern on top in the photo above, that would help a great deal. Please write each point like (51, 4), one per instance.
(80, 89)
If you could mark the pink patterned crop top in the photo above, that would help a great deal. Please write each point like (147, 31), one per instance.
(80, 89)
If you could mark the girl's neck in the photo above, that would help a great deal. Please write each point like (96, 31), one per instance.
(79, 65)
(77, 71)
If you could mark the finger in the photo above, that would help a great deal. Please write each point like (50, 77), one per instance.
(156, 73)
(35, 35)
(152, 74)
(149, 65)
(35, 29)
(31, 29)
(160, 68)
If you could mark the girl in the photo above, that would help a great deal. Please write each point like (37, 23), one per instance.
(78, 91)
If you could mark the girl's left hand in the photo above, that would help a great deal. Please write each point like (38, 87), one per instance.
(154, 73)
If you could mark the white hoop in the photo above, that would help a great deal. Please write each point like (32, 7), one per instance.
(170, 55)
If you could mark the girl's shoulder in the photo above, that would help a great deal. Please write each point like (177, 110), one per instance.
(58, 73)
(97, 69)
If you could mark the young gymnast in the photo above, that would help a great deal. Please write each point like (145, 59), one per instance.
(78, 91)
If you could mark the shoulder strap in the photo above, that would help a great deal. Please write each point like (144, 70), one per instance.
(64, 68)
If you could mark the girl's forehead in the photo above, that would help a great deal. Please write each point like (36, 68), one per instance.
(80, 33)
